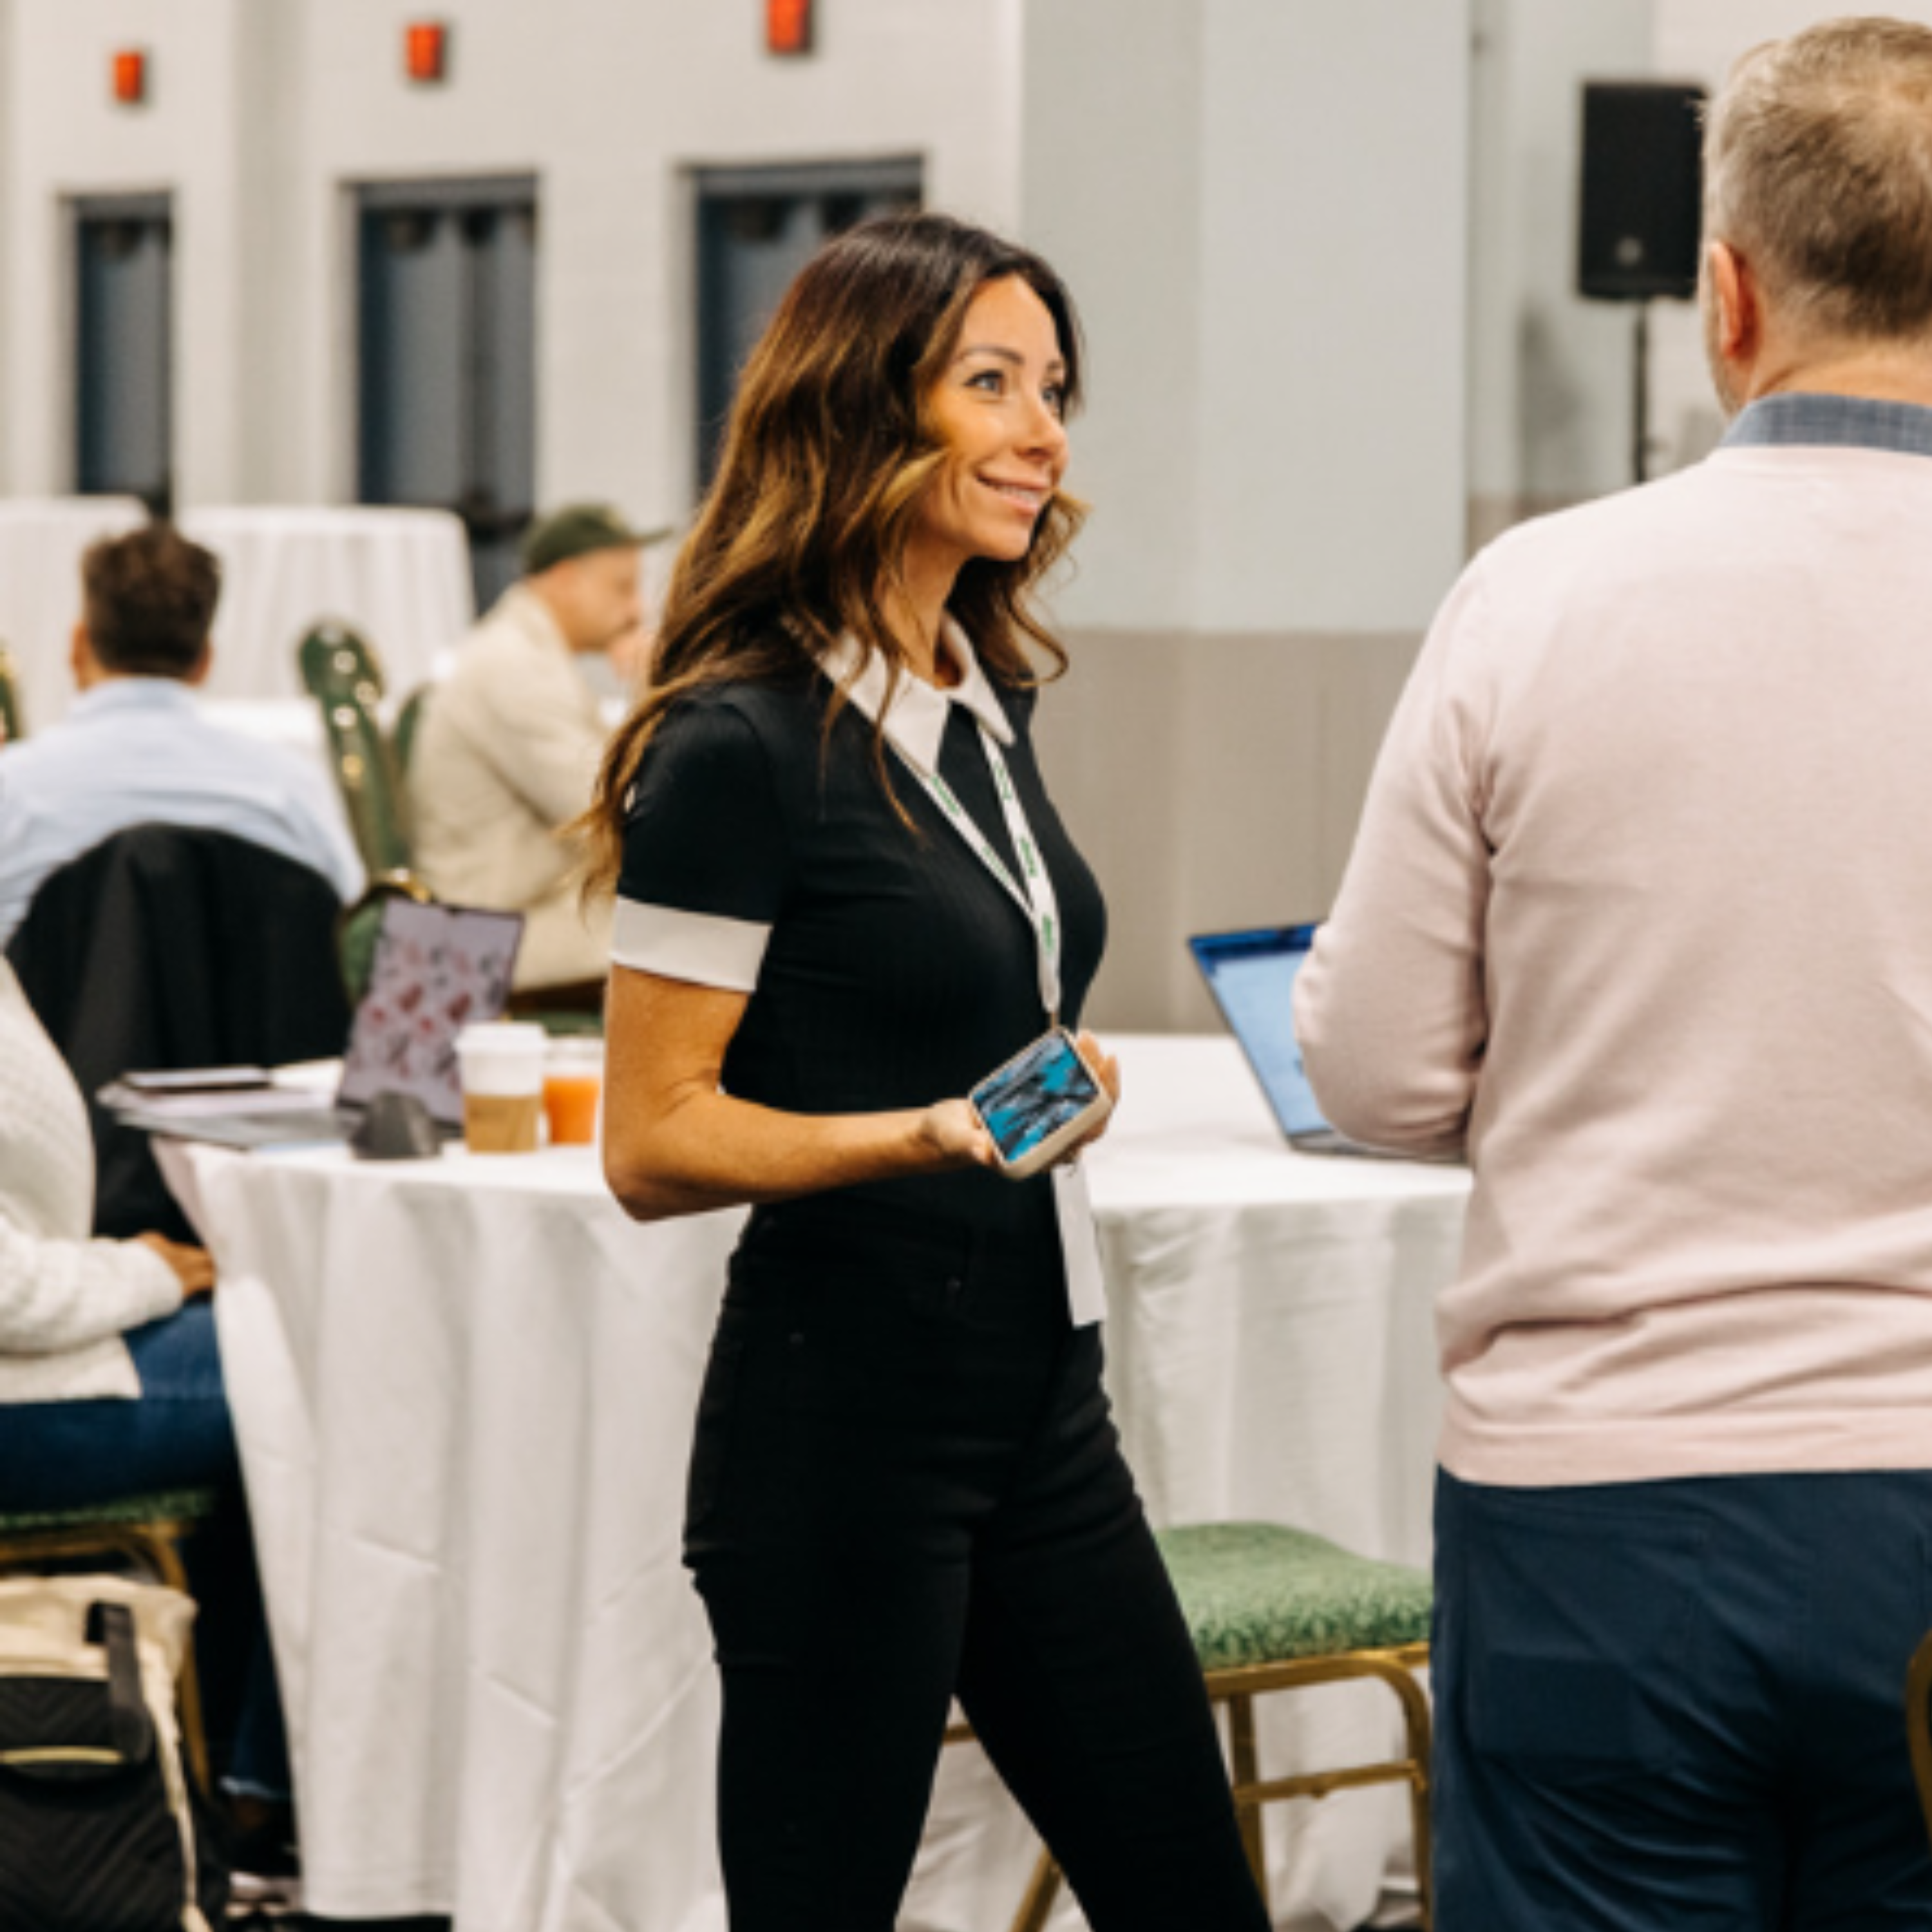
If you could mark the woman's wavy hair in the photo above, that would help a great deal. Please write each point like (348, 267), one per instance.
(826, 454)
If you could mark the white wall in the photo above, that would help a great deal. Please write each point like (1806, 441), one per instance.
(1550, 374)
(1264, 221)
(65, 137)
(1260, 206)
(266, 113)
(609, 104)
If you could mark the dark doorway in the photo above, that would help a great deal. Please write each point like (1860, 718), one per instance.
(447, 402)
(124, 411)
(756, 228)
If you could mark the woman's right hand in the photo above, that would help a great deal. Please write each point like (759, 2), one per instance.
(951, 1132)
(194, 1267)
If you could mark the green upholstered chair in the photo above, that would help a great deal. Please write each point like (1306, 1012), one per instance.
(1918, 1722)
(333, 654)
(146, 1530)
(408, 722)
(1274, 1609)
(13, 719)
(343, 676)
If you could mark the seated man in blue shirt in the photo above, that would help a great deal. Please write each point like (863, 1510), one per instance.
(135, 748)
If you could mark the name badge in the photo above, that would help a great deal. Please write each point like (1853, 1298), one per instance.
(1080, 1243)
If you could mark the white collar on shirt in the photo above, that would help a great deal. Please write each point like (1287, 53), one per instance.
(915, 724)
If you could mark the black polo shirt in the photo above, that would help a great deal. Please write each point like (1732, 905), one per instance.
(887, 967)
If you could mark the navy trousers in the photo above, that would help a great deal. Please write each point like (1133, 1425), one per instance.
(907, 1485)
(1679, 1706)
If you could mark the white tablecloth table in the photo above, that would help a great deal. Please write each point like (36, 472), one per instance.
(399, 577)
(41, 540)
(464, 1393)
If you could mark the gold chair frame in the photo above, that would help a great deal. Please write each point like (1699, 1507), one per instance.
(155, 1543)
(1918, 1723)
(1237, 1688)
(13, 707)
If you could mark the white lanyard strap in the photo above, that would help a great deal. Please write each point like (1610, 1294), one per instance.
(1036, 901)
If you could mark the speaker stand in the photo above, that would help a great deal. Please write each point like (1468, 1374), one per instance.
(1640, 397)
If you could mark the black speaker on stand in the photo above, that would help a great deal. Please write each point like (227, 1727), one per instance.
(1640, 212)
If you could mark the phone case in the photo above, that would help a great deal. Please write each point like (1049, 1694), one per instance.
(1056, 1143)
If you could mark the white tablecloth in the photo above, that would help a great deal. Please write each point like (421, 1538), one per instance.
(464, 1393)
(41, 540)
(399, 577)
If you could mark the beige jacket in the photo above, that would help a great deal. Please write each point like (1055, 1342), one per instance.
(504, 757)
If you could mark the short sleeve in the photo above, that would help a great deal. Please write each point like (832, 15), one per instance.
(707, 861)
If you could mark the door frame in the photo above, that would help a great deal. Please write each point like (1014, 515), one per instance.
(441, 194)
(705, 182)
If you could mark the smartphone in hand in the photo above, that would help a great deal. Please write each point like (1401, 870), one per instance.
(1045, 1099)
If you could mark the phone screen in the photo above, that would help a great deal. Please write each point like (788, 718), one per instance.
(1035, 1096)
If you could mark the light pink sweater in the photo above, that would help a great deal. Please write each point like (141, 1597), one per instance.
(1641, 907)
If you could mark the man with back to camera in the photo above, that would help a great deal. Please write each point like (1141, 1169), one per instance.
(1640, 914)
(135, 748)
(509, 744)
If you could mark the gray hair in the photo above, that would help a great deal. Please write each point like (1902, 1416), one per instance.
(1818, 170)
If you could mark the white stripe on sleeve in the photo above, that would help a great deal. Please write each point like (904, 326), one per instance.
(704, 948)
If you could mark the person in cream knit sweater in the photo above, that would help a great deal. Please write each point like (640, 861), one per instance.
(110, 1380)
(66, 1302)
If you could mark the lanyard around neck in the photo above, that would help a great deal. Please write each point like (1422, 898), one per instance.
(1036, 900)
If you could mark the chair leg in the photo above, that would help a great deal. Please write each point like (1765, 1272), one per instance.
(1419, 1726)
(194, 1731)
(1043, 1888)
(1247, 1768)
(160, 1548)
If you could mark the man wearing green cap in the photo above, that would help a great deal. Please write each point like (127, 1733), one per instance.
(508, 745)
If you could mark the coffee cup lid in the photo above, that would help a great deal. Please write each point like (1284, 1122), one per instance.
(517, 1036)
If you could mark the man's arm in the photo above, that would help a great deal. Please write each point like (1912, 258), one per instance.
(1391, 1010)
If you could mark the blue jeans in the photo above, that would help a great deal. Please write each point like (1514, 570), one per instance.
(63, 1455)
(1679, 1706)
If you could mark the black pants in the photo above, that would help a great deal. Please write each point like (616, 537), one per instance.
(907, 1485)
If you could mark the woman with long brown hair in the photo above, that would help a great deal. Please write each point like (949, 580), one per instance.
(905, 1483)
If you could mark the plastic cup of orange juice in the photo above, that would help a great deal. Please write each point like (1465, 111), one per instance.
(573, 1085)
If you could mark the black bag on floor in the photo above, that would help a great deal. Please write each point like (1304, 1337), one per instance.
(101, 1827)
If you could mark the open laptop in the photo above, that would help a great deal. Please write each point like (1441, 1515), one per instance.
(435, 970)
(1251, 976)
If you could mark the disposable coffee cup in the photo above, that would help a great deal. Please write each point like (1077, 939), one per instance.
(501, 1065)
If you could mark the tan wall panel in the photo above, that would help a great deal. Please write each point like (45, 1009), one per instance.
(1213, 782)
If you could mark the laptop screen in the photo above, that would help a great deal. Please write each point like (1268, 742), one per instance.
(437, 969)
(1252, 976)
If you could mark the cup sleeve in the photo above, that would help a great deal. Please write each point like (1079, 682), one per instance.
(706, 863)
